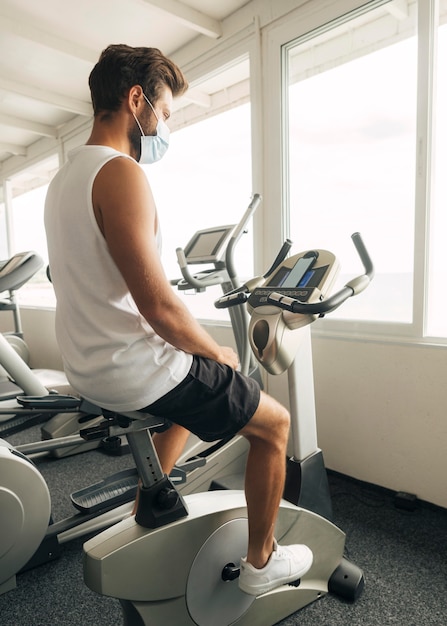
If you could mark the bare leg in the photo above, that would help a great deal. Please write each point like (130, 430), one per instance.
(169, 446)
(267, 433)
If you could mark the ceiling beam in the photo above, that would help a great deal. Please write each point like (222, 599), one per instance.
(195, 96)
(31, 127)
(12, 148)
(398, 9)
(59, 101)
(25, 29)
(195, 20)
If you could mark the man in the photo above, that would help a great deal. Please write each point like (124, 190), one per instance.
(126, 339)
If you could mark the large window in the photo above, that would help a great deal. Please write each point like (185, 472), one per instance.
(205, 180)
(364, 129)
(28, 191)
(351, 135)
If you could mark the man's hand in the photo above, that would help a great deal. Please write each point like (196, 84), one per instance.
(229, 357)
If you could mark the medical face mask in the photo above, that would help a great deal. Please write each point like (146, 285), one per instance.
(153, 147)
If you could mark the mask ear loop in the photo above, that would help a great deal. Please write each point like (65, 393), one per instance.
(150, 104)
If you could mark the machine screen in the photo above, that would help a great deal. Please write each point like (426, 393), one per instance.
(306, 278)
(297, 276)
(206, 244)
(6, 267)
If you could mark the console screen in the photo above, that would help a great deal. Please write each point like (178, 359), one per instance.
(206, 244)
(306, 278)
(297, 276)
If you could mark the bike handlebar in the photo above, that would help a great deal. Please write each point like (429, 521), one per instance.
(352, 288)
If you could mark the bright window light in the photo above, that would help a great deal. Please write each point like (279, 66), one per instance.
(352, 136)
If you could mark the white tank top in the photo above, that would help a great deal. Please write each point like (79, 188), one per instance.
(111, 354)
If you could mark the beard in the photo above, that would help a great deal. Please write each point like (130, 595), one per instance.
(134, 136)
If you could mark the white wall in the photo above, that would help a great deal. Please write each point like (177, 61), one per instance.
(38, 331)
(381, 407)
(381, 413)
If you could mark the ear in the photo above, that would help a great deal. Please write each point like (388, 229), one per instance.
(135, 98)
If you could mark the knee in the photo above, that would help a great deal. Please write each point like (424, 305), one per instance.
(271, 423)
(282, 424)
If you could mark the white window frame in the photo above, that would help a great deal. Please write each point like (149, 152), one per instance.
(306, 21)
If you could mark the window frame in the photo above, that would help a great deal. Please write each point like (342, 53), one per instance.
(302, 25)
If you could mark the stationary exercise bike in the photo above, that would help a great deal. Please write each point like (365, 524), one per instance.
(26, 540)
(177, 561)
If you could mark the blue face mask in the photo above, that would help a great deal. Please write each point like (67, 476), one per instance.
(153, 147)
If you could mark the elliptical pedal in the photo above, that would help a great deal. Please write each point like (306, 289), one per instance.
(112, 491)
(19, 422)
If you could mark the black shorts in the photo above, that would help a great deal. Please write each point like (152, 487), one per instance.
(213, 401)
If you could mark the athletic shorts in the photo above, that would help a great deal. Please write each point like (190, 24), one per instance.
(214, 401)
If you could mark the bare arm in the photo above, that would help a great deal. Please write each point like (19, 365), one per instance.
(126, 214)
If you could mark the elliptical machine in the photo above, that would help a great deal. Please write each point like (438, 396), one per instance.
(215, 247)
(16, 377)
(211, 251)
(14, 273)
(205, 534)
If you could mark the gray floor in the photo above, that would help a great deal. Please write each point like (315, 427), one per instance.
(403, 555)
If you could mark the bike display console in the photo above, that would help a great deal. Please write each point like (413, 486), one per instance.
(304, 278)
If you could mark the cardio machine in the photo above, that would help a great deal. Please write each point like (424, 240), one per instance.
(215, 247)
(32, 542)
(200, 538)
(14, 273)
(16, 377)
(205, 261)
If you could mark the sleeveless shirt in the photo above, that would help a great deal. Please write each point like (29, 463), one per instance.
(111, 354)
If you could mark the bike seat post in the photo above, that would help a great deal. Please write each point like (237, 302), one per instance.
(158, 501)
(145, 456)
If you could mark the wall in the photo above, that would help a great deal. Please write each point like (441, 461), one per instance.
(381, 413)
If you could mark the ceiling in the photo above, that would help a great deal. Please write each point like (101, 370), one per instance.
(48, 48)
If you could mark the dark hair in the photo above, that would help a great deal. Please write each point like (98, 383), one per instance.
(120, 67)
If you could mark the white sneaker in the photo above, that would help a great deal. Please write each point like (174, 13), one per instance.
(286, 565)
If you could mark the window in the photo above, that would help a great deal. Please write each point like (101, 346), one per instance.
(351, 131)
(204, 180)
(363, 147)
(28, 192)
